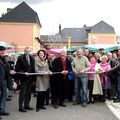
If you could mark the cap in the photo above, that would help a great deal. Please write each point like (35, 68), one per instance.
(101, 48)
(2, 48)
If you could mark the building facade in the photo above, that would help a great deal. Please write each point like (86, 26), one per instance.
(100, 33)
(19, 27)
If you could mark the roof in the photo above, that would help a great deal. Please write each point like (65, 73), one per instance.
(79, 34)
(102, 27)
(47, 38)
(21, 13)
(76, 34)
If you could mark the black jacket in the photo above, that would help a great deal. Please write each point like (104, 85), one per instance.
(5, 73)
(58, 67)
(22, 66)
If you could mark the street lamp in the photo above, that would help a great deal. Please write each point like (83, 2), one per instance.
(69, 41)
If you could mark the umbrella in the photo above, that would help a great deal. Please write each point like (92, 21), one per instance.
(53, 51)
(2, 43)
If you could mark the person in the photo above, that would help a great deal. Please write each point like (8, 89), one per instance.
(97, 57)
(112, 76)
(91, 78)
(86, 52)
(61, 65)
(101, 52)
(105, 80)
(114, 55)
(42, 81)
(80, 66)
(4, 76)
(74, 54)
(118, 53)
(25, 64)
(117, 70)
(51, 58)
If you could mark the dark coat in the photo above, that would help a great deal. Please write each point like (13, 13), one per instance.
(5, 73)
(116, 69)
(58, 67)
(22, 66)
(2, 71)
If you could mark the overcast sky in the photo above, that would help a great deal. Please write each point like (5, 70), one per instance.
(70, 13)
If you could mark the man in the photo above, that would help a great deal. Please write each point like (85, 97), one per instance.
(51, 58)
(117, 71)
(25, 64)
(80, 66)
(101, 52)
(86, 52)
(112, 76)
(61, 65)
(4, 76)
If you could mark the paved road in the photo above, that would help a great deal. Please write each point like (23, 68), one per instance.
(97, 111)
(114, 108)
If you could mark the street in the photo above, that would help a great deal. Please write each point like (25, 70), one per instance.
(96, 111)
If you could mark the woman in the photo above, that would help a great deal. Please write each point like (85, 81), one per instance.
(97, 57)
(42, 81)
(105, 81)
(91, 78)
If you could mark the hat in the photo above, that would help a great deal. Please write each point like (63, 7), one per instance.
(101, 48)
(2, 48)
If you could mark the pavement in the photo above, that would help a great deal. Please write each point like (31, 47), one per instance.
(114, 108)
(96, 111)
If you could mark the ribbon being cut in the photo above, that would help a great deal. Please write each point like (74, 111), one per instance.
(50, 73)
(47, 73)
(40, 73)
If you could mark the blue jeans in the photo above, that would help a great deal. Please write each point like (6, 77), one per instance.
(118, 87)
(81, 88)
(3, 95)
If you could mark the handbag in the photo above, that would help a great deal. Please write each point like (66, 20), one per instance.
(71, 75)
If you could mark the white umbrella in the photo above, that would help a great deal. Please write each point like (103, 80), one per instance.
(2, 43)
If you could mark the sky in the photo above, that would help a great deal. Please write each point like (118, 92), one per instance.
(70, 13)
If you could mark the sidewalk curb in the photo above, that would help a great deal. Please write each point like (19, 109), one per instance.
(114, 108)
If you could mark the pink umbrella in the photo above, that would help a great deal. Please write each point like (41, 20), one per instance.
(53, 51)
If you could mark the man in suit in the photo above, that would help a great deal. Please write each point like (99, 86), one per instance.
(25, 64)
(62, 65)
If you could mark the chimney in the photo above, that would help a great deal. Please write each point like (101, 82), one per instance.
(84, 26)
(87, 28)
(9, 9)
(60, 28)
(2, 14)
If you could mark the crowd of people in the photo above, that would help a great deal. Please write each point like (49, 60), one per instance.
(81, 77)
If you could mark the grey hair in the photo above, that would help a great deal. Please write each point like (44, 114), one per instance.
(104, 56)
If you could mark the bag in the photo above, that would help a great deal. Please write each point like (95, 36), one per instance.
(71, 76)
(14, 85)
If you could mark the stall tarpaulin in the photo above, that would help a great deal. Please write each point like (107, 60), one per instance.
(96, 47)
(21, 53)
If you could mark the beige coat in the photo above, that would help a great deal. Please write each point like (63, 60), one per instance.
(42, 81)
(97, 87)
